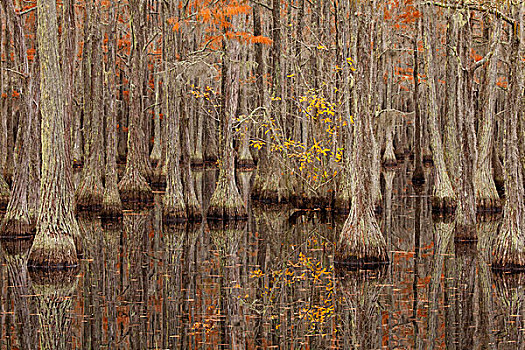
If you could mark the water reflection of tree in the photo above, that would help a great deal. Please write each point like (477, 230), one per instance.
(227, 238)
(173, 321)
(443, 247)
(359, 310)
(92, 268)
(16, 253)
(136, 276)
(510, 301)
(460, 293)
(293, 280)
(111, 281)
(54, 292)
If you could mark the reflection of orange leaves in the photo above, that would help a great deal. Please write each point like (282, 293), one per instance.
(16, 94)
(4, 95)
(423, 281)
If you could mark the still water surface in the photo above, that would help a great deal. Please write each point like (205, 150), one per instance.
(268, 283)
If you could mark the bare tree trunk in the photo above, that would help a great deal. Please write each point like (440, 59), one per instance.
(226, 201)
(450, 140)
(466, 207)
(17, 220)
(443, 197)
(4, 102)
(90, 192)
(361, 241)
(487, 198)
(174, 207)
(509, 247)
(111, 204)
(133, 186)
(54, 243)
(418, 177)
(156, 152)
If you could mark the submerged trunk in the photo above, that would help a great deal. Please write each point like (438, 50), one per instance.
(54, 243)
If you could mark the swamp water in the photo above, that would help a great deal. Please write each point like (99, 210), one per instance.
(266, 283)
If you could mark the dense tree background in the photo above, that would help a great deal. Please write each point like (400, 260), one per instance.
(104, 101)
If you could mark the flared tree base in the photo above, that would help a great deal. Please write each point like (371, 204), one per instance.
(226, 203)
(465, 233)
(111, 206)
(158, 180)
(173, 212)
(197, 160)
(361, 243)
(245, 164)
(389, 159)
(16, 228)
(488, 205)
(444, 205)
(508, 252)
(135, 192)
(194, 212)
(53, 251)
(91, 202)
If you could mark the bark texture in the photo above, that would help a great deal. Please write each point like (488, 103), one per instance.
(54, 243)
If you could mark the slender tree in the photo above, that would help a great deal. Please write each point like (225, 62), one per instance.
(509, 247)
(226, 201)
(133, 186)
